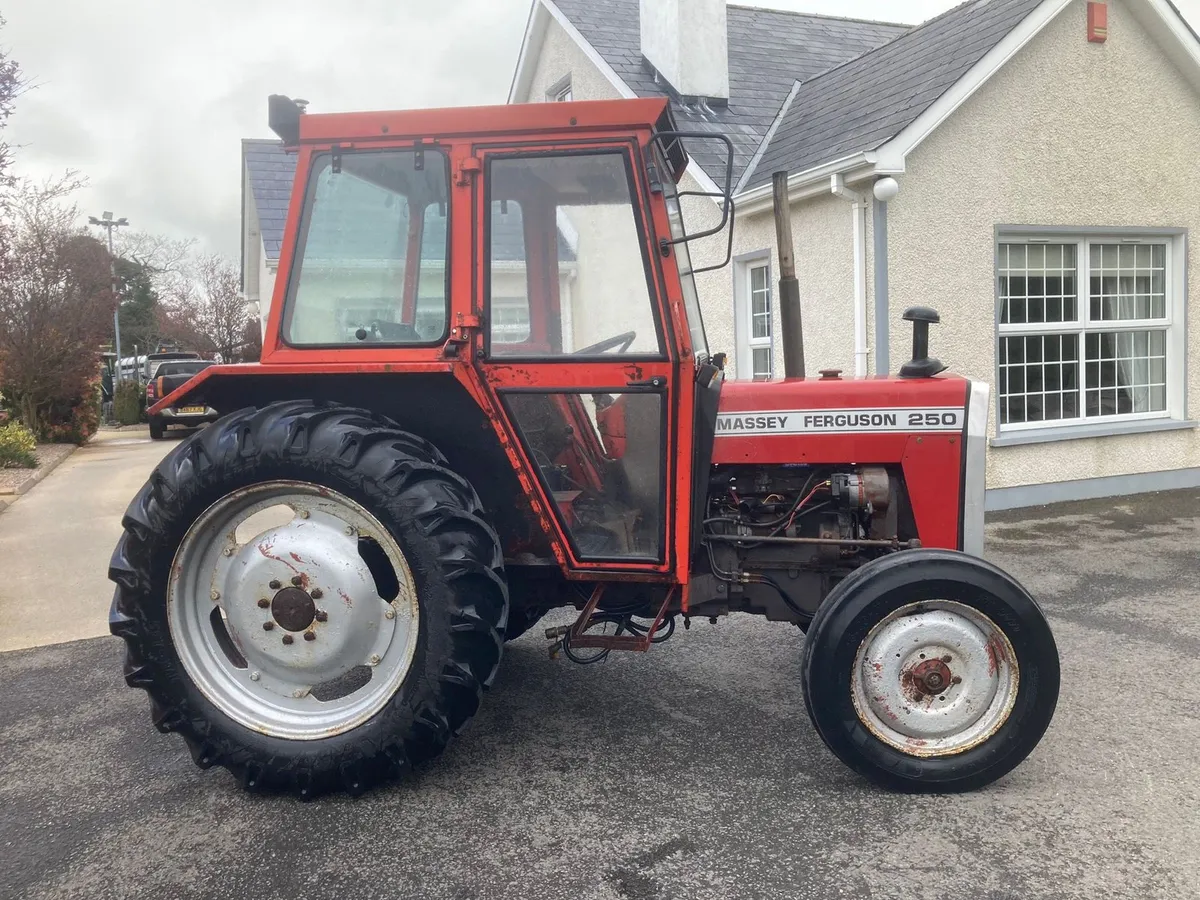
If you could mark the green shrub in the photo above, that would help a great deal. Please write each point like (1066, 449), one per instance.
(16, 447)
(128, 403)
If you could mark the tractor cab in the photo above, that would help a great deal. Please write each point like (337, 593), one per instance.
(539, 256)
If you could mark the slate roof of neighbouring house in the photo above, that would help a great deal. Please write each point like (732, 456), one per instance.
(271, 170)
(865, 102)
(769, 51)
(858, 84)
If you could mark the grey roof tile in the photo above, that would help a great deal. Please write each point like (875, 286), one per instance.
(869, 100)
(272, 170)
(769, 50)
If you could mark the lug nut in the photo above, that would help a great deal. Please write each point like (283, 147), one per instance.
(947, 658)
(275, 585)
(956, 680)
(268, 625)
(303, 513)
(228, 551)
(316, 593)
(287, 639)
(390, 614)
(297, 580)
(375, 659)
(349, 529)
(216, 595)
(254, 676)
(321, 615)
(263, 603)
(309, 636)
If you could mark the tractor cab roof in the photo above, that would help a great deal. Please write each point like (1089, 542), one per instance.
(295, 127)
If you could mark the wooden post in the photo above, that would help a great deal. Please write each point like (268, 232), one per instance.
(791, 320)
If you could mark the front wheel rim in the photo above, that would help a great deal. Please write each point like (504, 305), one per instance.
(282, 624)
(935, 678)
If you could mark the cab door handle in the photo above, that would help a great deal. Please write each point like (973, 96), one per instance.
(656, 382)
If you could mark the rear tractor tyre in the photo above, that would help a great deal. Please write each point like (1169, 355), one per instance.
(930, 671)
(310, 597)
(158, 429)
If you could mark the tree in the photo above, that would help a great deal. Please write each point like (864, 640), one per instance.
(207, 310)
(55, 301)
(11, 85)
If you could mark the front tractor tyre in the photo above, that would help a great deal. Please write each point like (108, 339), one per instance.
(310, 597)
(930, 671)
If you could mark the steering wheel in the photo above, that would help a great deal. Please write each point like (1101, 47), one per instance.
(622, 340)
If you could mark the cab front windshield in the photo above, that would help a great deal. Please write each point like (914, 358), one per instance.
(371, 265)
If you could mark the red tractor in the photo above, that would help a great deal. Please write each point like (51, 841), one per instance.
(485, 393)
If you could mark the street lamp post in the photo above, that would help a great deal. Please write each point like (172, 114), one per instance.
(108, 223)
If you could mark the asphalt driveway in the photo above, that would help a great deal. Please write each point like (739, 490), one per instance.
(691, 772)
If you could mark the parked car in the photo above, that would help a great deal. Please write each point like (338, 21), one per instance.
(169, 375)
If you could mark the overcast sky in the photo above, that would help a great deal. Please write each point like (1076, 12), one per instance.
(149, 99)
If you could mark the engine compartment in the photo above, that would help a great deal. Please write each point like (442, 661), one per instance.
(776, 538)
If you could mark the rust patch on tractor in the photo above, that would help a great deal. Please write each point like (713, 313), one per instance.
(345, 598)
(296, 557)
(265, 549)
(997, 654)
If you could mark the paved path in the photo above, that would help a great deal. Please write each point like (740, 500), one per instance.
(55, 540)
(690, 773)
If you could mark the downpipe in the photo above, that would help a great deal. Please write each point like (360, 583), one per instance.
(858, 211)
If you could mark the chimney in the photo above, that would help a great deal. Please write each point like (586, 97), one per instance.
(687, 41)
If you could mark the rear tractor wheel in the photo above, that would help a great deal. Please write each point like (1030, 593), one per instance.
(310, 597)
(930, 671)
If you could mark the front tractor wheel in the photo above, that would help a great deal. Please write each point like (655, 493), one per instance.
(310, 597)
(930, 671)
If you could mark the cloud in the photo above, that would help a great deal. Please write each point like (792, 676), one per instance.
(150, 99)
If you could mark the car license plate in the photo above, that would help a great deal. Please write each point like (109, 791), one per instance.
(193, 411)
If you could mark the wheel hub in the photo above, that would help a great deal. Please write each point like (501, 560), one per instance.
(294, 609)
(934, 678)
(272, 623)
(930, 676)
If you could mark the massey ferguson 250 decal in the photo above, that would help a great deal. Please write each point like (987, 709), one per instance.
(833, 421)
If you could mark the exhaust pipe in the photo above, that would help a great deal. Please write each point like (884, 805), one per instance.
(789, 287)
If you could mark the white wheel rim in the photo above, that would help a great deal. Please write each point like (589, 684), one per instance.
(326, 626)
(935, 678)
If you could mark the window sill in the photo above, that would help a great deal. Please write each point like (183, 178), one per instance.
(1099, 429)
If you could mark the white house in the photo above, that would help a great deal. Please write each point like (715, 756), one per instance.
(1024, 166)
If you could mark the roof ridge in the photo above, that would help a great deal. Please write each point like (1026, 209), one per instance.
(825, 16)
(914, 30)
(274, 141)
(761, 149)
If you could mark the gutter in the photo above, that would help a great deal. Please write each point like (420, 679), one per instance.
(858, 211)
(808, 183)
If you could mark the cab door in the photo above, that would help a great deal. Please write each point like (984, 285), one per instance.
(578, 346)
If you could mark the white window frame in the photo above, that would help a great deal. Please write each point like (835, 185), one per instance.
(1174, 323)
(560, 91)
(743, 294)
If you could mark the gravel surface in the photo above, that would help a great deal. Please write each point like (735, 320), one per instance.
(48, 455)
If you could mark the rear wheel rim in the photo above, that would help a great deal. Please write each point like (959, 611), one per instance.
(935, 678)
(278, 617)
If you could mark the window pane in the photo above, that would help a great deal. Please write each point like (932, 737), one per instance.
(1129, 284)
(761, 360)
(356, 280)
(758, 279)
(1037, 283)
(594, 296)
(1038, 377)
(1126, 372)
(601, 459)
